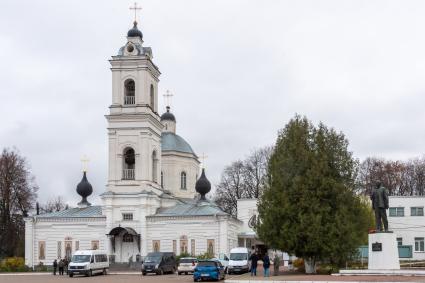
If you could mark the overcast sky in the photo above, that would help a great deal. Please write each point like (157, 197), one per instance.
(239, 71)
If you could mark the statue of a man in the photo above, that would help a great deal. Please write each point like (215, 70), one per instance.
(380, 205)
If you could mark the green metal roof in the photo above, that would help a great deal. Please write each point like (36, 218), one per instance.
(200, 208)
(90, 211)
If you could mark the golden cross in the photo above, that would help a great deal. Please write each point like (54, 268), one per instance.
(203, 157)
(135, 8)
(85, 160)
(168, 95)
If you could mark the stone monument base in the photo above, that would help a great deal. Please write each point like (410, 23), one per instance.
(383, 251)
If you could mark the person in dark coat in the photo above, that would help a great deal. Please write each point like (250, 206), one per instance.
(65, 265)
(55, 266)
(266, 265)
(254, 263)
(61, 264)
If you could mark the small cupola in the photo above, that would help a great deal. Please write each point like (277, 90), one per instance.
(169, 121)
(84, 189)
(203, 186)
(135, 32)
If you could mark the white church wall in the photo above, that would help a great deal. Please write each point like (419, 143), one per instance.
(83, 231)
(172, 167)
(200, 228)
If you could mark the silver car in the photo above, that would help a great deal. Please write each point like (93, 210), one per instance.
(187, 265)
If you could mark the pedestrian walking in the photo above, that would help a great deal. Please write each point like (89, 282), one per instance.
(276, 264)
(266, 265)
(55, 266)
(61, 264)
(254, 262)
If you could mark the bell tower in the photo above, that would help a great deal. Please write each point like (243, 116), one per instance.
(134, 127)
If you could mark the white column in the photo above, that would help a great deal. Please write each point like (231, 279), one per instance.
(29, 242)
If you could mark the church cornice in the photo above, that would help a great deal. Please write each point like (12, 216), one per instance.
(122, 63)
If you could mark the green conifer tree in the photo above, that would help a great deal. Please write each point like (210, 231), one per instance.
(310, 208)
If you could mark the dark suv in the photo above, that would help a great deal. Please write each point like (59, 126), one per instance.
(159, 263)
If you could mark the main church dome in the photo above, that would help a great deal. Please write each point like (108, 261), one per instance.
(174, 142)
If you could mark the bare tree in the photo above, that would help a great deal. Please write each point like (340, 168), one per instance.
(243, 179)
(17, 196)
(52, 205)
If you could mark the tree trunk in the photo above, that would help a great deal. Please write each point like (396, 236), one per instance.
(310, 265)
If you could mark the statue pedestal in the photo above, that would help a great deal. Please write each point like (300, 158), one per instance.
(383, 251)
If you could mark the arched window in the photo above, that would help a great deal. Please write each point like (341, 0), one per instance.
(152, 97)
(154, 166)
(162, 179)
(183, 181)
(129, 92)
(129, 162)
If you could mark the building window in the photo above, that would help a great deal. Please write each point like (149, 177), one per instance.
(192, 247)
(68, 250)
(416, 211)
(154, 167)
(162, 179)
(175, 246)
(77, 245)
(210, 247)
(129, 92)
(42, 250)
(127, 216)
(419, 245)
(183, 181)
(396, 211)
(95, 245)
(156, 246)
(399, 241)
(129, 164)
(183, 244)
(127, 238)
(59, 251)
(152, 97)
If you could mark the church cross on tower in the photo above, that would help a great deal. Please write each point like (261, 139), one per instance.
(85, 160)
(168, 95)
(135, 8)
(203, 157)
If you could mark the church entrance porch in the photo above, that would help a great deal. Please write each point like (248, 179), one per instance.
(125, 245)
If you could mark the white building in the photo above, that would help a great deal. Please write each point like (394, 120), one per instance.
(406, 219)
(150, 202)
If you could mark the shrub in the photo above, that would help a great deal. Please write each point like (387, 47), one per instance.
(206, 255)
(13, 264)
(182, 255)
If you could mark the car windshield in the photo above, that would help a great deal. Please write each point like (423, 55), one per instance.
(238, 256)
(206, 263)
(81, 258)
(153, 259)
(187, 260)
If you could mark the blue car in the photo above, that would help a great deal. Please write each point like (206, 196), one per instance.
(209, 270)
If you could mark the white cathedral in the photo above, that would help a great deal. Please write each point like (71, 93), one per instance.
(155, 193)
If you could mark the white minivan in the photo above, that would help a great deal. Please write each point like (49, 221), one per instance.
(239, 261)
(88, 262)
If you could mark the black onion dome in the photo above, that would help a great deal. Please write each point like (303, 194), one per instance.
(84, 189)
(203, 186)
(135, 32)
(168, 116)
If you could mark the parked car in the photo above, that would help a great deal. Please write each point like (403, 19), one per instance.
(159, 263)
(224, 261)
(88, 262)
(239, 261)
(187, 265)
(209, 269)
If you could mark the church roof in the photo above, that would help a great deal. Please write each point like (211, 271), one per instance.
(200, 208)
(173, 142)
(90, 211)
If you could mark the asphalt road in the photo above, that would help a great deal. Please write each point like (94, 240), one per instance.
(110, 278)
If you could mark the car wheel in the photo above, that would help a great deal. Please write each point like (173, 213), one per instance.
(143, 273)
(161, 272)
(71, 275)
(90, 273)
